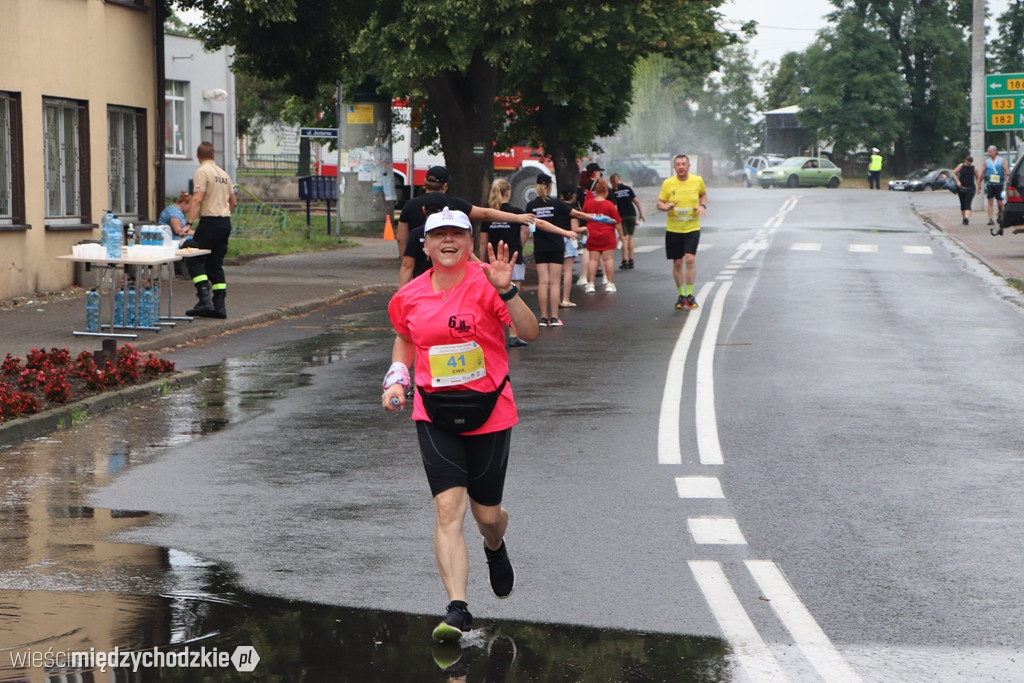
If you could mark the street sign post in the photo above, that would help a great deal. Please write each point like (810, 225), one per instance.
(1004, 102)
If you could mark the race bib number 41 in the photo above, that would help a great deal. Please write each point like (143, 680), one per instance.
(455, 364)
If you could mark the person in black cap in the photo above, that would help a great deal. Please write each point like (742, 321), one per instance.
(415, 261)
(437, 180)
(588, 179)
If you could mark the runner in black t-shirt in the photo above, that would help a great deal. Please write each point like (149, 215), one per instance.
(629, 208)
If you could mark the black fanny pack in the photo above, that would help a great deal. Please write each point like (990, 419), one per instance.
(460, 411)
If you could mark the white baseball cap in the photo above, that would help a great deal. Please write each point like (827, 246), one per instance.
(447, 218)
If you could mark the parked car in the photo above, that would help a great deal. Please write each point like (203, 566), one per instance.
(753, 164)
(1013, 207)
(632, 171)
(926, 179)
(801, 172)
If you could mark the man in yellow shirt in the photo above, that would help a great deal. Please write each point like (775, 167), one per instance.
(685, 197)
(213, 200)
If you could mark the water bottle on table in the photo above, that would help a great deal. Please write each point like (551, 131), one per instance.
(113, 235)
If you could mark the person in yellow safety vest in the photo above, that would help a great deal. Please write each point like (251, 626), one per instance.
(875, 170)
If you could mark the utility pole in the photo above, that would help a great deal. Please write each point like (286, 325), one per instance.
(978, 80)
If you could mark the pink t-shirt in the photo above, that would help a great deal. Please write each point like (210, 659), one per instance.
(459, 337)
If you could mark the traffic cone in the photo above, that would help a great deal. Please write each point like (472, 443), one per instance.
(389, 233)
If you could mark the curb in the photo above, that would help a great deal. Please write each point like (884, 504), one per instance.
(63, 417)
(202, 332)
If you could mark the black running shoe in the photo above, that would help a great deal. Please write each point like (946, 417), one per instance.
(691, 301)
(455, 623)
(500, 572)
(681, 302)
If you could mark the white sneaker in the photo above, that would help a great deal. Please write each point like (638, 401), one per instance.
(582, 281)
(604, 279)
(610, 288)
(590, 289)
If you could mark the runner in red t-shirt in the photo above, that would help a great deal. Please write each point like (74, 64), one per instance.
(602, 236)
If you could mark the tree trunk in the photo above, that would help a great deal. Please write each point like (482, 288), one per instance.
(567, 172)
(463, 104)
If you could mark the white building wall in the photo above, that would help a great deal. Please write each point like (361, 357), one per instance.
(186, 61)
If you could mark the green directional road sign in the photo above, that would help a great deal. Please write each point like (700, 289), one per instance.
(1004, 102)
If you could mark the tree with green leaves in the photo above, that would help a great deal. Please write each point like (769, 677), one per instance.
(1007, 49)
(852, 104)
(922, 43)
(784, 83)
(461, 57)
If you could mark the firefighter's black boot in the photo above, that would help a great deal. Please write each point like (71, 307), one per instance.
(204, 308)
(219, 311)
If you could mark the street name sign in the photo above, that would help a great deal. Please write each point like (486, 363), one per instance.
(1004, 102)
(318, 132)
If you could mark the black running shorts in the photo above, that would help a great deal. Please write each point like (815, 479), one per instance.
(476, 462)
(679, 244)
(628, 225)
(993, 191)
(544, 256)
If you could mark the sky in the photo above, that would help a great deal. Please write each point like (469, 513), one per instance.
(790, 25)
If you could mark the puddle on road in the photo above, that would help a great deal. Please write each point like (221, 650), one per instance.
(64, 587)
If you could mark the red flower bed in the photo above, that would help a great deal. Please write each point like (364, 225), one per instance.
(51, 377)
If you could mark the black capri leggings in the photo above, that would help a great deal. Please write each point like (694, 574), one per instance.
(966, 197)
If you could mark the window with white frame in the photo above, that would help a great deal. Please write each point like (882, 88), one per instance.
(175, 119)
(123, 161)
(64, 128)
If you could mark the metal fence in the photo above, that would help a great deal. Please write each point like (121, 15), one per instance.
(268, 164)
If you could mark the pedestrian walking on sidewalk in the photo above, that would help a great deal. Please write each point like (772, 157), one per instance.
(996, 173)
(685, 197)
(213, 200)
(451, 323)
(968, 183)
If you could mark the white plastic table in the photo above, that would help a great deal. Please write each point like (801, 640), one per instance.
(116, 269)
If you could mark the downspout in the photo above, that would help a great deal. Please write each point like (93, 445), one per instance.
(159, 190)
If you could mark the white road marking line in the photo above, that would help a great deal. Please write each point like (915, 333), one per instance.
(669, 452)
(864, 248)
(648, 248)
(908, 249)
(753, 655)
(806, 246)
(708, 446)
(723, 277)
(704, 247)
(809, 637)
(699, 487)
(715, 531)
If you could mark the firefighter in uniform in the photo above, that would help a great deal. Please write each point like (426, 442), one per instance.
(213, 200)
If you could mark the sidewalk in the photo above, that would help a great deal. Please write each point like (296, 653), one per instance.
(259, 291)
(1004, 255)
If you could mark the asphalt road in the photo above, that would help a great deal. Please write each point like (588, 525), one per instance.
(820, 465)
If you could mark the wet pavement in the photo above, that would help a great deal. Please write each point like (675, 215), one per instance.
(66, 586)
